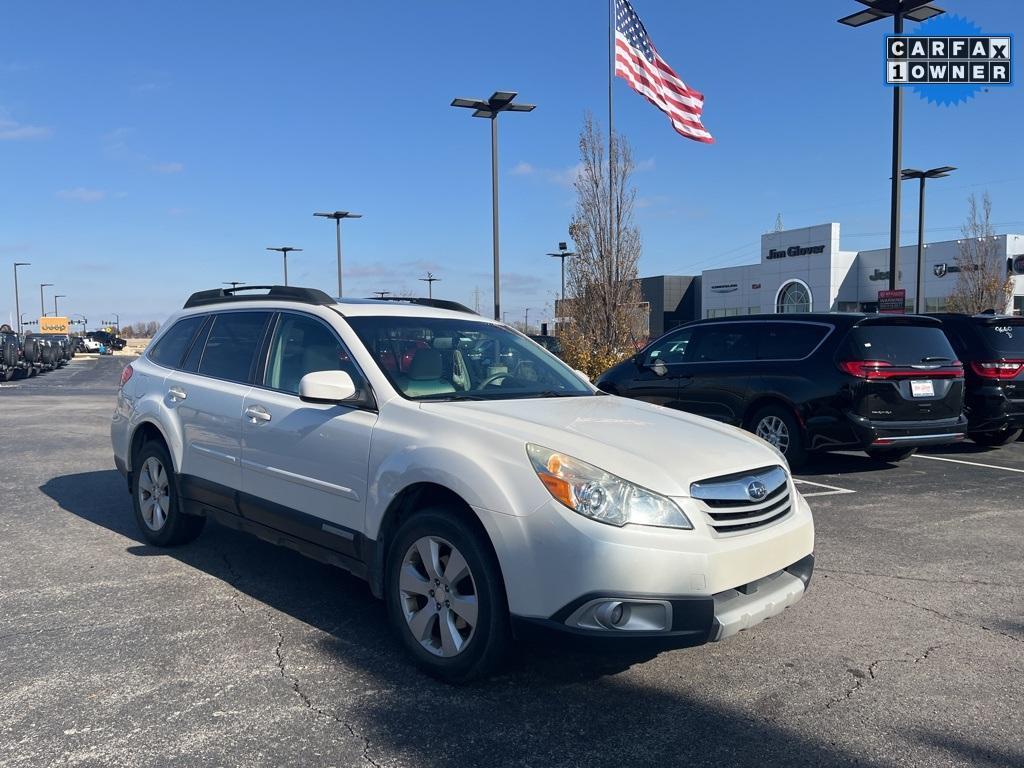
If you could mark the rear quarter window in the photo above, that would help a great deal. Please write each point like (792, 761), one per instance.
(898, 344)
(789, 341)
(172, 345)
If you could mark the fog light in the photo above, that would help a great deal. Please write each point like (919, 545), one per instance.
(632, 615)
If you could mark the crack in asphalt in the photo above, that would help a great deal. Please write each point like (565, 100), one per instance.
(940, 614)
(314, 709)
(861, 676)
(234, 578)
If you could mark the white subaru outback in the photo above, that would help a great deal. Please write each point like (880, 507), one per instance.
(485, 490)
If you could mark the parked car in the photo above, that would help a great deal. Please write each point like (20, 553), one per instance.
(108, 339)
(485, 496)
(884, 384)
(91, 345)
(992, 350)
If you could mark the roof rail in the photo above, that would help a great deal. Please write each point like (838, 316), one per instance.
(454, 306)
(273, 292)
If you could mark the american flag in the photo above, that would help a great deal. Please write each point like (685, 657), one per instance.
(638, 62)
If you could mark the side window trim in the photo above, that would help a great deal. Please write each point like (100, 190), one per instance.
(259, 380)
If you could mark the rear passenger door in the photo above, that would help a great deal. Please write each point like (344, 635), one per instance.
(715, 382)
(206, 397)
(304, 464)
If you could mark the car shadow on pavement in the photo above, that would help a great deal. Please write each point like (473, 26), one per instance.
(548, 707)
(842, 463)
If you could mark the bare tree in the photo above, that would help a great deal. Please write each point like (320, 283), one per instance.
(983, 281)
(603, 303)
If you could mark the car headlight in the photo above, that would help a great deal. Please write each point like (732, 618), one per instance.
(602, 496)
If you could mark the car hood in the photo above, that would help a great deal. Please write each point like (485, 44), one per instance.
(661, 449)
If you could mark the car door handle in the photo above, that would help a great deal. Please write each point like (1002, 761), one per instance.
(177, 393)
(257, 413)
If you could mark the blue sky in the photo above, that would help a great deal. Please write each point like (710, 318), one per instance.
(151, 149)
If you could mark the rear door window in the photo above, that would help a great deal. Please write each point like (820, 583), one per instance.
(788, 341)
(725, 343)
(899, 344)
(1003, 338)
(232, 344)
(172, 345)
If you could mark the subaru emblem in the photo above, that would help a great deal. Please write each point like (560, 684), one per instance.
(756, 490)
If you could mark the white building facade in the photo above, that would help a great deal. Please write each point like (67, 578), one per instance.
(806, 270)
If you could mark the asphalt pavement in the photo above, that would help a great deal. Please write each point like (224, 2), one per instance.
(907, 651)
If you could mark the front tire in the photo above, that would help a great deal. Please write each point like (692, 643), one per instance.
(446, 598)
(995, 439)
(778, 426)
(890, 455)
(155, 500)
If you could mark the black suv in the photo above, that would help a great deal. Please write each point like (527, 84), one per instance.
(107, 339)
(991, 348)
(884, 384)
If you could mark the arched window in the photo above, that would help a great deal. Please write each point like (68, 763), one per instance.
(794, 296)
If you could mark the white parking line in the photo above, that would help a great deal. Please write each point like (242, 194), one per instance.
(830, 490)
(969, 463)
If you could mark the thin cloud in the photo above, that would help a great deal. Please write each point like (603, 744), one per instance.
(645, 165)
(523, 169)
(562, 177)
(82, 194)
(12, 130)
(171, 167)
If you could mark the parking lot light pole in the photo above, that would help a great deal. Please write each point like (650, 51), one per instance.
(55, 297)
(931, 173)
(430, 280)
(500, 101)
(284, 250)
(42, 302)
(338, 216)
(17, 298)
(233, 283)
(900, 10)
(526, 320)
(381, 294)
(563, 254)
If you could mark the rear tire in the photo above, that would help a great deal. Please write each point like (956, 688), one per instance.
(458, 634)
(995, 439)
(778, 426)
(155, 499)
(890, 455)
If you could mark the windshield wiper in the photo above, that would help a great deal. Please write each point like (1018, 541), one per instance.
(448, 398)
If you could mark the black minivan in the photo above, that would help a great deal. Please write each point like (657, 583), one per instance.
(885, 384)
(991, 348)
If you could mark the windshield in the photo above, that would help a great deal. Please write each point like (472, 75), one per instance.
(457, 359)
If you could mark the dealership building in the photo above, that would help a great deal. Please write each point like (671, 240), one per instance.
(807, 270)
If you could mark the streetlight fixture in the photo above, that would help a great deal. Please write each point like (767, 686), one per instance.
(338, 216)
(526, 320)
(381, 294)
(55, 297)
(931, 173)
(42, 303)
(430, 280)
(913, 10)
(233, 283)
(284, 250)
(500, 101)
(563, 254)
(17, 298)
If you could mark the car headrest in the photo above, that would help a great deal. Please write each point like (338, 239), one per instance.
(426, 365)
(443, 342)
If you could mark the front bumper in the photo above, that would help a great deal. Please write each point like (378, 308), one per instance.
(907, 433)
(689, 621)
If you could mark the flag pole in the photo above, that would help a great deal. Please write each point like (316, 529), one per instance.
(611, 132)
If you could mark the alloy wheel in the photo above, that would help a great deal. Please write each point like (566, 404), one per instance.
(774, 430)
(438, 596)
(154, 493)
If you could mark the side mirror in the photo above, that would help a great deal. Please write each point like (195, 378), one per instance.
(659, 367)
(327, 387)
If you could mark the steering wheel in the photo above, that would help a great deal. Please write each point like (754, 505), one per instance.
(491, 379)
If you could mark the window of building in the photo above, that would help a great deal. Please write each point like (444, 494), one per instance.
(849, 306)
(795, 296)
(1018, 305)
(935, 303)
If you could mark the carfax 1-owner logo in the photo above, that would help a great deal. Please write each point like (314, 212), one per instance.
(948, 59)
